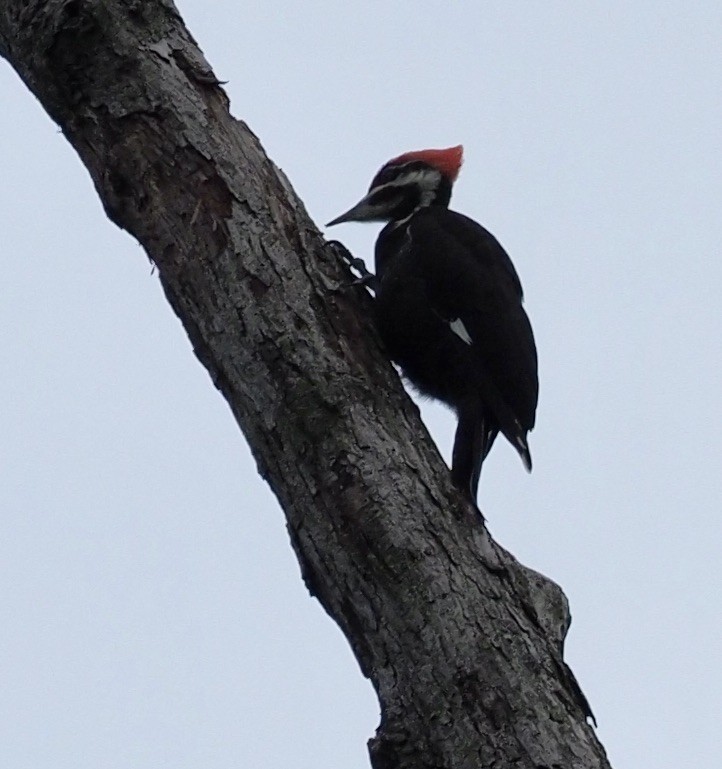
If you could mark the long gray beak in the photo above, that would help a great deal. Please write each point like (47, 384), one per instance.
(361, 212)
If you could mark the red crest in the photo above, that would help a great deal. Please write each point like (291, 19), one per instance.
(447, 161)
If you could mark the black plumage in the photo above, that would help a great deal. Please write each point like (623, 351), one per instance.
(449, 309)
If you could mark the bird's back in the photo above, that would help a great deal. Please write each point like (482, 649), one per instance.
(441, 267)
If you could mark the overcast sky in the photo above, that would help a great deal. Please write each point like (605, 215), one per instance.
(151, 610)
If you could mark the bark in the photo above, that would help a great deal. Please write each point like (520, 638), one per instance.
(462, 643)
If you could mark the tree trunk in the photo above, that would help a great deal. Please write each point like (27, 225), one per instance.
(462, 643)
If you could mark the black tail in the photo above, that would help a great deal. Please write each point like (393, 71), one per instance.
(522, 446)
(475, 435)
(503, 419)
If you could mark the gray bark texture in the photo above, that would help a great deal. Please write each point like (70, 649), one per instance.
(461, 642)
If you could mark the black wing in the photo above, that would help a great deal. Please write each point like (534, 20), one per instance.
(471, 278)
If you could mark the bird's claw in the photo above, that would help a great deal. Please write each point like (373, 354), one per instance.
(365, 277)
(368, 279)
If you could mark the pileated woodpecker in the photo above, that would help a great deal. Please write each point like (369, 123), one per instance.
(449, 308)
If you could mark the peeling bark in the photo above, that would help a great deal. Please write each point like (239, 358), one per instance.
(462, 643)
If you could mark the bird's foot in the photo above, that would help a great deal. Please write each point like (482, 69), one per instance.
(364, 278)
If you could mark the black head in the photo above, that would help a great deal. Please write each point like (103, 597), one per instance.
(406, 184)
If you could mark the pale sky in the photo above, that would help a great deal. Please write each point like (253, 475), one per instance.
(152, 612)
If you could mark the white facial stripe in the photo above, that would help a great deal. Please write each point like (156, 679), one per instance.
(399, 222)
(427, 178)
(458, 327)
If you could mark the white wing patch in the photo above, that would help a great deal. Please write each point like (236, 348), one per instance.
(459, 329)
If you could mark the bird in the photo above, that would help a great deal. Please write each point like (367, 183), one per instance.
(449, 308)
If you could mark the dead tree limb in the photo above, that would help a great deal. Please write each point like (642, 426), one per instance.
(463, 645)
